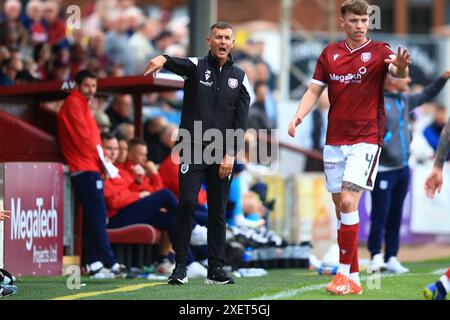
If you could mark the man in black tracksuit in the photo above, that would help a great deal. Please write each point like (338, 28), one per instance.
(215, 113)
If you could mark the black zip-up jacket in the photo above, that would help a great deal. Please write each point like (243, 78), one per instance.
(218, 98)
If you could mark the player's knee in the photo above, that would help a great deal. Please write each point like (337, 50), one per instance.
(347, 203)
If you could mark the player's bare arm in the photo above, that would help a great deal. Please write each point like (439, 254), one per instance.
(400, 63)
(434, 181)
(307, 102)
(155, 65)
(348, 186)
(443, 146)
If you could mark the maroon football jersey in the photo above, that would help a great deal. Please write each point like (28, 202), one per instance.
(355, 80)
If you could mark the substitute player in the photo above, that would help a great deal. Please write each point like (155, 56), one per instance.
(354, 71)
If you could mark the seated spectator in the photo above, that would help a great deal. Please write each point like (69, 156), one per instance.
(42, 55)
(12, 32)
(55, 26)
(120, 110)
(169, 168)
(78, 58)
(135, 18)
(246, 209)
(123, 151)
(141, 46)
(125, 129)
(164, 40)
(144, 172)
(4, 53)
(59, 71)
(126, 206)
(24, 77)
(116, 42)
(102, 120)
(32, 21)
(96, 49)
(7, 73)
(152, 131)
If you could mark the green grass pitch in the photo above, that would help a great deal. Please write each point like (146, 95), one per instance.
(279, 284)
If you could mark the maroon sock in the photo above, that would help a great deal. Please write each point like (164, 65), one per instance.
(348, 237)
(354, 267)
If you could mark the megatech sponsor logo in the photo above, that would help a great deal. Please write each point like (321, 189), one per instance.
(33, 223)
(349, 77)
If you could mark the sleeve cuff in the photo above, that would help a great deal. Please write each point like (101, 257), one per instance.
(320, 83)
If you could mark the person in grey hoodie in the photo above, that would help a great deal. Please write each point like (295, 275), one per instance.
(391, 184)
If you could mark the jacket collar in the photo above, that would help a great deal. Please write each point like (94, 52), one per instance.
(214, 61)
(391, 94)
(78, 95)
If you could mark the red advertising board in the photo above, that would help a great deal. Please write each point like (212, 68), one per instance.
(33, 236)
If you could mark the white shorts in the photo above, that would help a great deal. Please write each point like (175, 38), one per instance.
(357, 163)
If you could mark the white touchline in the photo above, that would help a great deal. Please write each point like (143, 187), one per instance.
(293, 292)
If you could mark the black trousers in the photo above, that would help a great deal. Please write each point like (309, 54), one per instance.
(191, 177)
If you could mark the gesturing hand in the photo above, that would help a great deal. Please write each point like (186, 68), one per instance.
(434, 182)
(401, 60)
(155, 65)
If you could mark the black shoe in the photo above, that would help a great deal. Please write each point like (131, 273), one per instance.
(178, 275)
(216, 275)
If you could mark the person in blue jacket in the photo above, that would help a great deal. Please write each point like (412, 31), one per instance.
(391, 185)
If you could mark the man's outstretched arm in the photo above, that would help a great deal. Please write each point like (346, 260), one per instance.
(184, 67)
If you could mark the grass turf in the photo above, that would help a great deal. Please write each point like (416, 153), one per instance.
(279, 284)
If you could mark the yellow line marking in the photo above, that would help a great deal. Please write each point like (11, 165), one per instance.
(97, 293)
